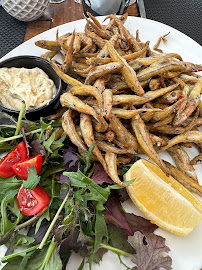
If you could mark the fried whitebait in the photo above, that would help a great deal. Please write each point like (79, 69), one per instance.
(111, 160)
(145, 141)
(189, 136)
(70, 130)
(182, 161)
(127, 96)
(87, 132)
(183, 179)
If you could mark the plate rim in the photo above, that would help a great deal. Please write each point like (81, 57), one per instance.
(100, 18)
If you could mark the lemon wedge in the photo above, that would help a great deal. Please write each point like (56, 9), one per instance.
(162, 199)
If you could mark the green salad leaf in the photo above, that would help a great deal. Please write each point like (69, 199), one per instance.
(32, 180)
(9, 187)
(85, 213)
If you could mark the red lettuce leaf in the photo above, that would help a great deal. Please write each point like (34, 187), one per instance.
(71, 161)
(36, 147)
(150, 252)
(141, 224)
(71, 242)
(62, 179)
(40, 233)
(100, 176)
(122, 194)
(115, 215)
(131, 223)
(118, 238)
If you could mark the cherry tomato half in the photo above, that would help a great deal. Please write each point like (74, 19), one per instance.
(21, 168)
(31, 202)
(17, 154)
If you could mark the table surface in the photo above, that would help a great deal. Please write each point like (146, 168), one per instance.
(57, 14)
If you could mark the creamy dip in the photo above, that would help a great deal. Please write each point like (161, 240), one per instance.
(32, 86)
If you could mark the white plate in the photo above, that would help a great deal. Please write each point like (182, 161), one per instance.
(186, 252)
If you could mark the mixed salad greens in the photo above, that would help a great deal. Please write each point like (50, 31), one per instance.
(84, 213)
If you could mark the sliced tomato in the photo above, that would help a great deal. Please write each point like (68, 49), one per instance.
(17, 154)
(31, 202)
(21, 168)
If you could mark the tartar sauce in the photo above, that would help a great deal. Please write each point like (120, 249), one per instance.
(32, 86)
